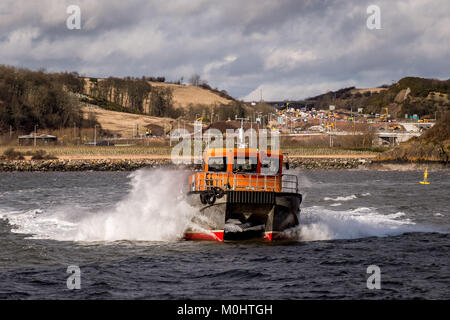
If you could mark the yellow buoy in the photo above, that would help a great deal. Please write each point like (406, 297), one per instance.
(425, 176)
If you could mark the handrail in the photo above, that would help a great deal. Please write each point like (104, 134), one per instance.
(201, 181)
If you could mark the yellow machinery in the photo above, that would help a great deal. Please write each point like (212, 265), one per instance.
(384, 117)
(395, 127)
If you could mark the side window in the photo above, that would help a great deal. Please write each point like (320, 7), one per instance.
(270, 166)
(246, 165)
(217, 164)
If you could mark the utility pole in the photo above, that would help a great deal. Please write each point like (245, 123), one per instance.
(95, 135)
(35, 133)
(170, 140)
(353, 119)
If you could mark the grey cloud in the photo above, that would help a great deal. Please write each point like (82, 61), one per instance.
(244, 64)
(290, 48)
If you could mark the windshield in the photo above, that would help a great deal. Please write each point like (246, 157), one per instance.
(270, 166)
(217, 164)
(245, 164)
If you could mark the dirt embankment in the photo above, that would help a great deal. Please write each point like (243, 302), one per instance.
(432, 146)
(126, 124)
(184, 95)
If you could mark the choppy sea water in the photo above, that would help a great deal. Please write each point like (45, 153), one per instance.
(124, 232)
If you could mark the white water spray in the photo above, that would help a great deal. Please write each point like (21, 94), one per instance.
(152, 211)
(319, 223)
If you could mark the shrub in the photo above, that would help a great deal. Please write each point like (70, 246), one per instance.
(41, 155)
(11, 154)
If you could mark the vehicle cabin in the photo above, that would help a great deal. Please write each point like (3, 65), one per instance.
(239, 170)
(243, 161)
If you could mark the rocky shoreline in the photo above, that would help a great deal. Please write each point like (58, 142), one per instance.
(80, 165)
(134, 164)
(131, 165)
(327, 164)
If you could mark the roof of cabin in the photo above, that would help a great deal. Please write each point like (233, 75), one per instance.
(214, 151)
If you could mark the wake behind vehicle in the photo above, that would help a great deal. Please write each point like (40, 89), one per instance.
(242, 194)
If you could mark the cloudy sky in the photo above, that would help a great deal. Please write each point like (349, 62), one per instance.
(289, 49)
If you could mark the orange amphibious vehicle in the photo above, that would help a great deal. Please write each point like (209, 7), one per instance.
(242, 194)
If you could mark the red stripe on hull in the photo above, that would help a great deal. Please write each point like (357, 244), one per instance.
(273, 235)
(213, 236)
(268, 236)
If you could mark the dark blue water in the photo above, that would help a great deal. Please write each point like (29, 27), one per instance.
(124, 233)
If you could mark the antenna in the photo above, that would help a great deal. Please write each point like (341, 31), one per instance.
(241, 142)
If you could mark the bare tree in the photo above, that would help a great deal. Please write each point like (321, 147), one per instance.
(195, 80)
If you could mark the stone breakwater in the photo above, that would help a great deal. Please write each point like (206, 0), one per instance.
(325, 164)
(131, 165)
(81, 165)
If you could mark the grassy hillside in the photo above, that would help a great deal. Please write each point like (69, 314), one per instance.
(151, 97)
(410, 95)
(419, 100)
(161, 99)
